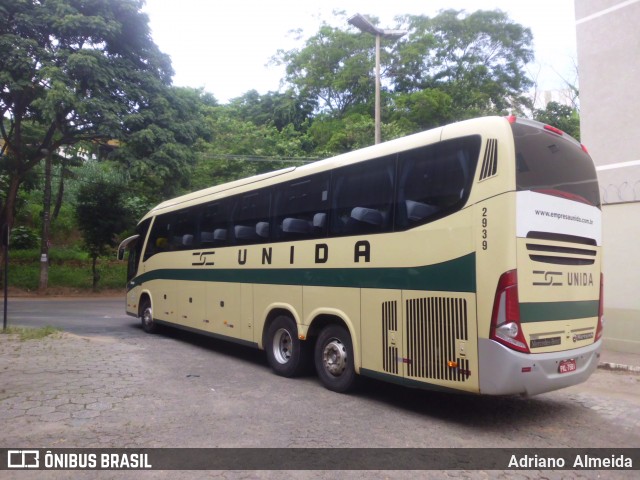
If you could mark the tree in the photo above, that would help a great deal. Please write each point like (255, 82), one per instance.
(240, 148)
(335, 68)
(477, 59)
(449, 67)
(102, 215)
(274, 108)
(162, 141)
(422, 110)
(70, 70)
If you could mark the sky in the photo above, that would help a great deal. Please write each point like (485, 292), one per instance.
(225, 46)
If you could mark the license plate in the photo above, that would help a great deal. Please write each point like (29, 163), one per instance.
(567, 366)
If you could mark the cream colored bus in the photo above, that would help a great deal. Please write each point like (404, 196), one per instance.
(466, 258)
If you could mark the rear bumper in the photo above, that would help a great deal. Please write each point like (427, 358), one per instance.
(505, 372)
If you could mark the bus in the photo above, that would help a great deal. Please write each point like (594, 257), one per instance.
(464, 258)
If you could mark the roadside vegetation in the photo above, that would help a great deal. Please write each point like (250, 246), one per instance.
(27, 333)
(93, 133)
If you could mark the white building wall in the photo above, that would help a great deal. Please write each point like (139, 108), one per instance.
(608, 41)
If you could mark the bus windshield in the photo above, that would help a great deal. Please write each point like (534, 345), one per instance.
(549, 163)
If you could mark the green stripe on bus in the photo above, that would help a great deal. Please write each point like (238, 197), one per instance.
(549, 311)
(456, 275)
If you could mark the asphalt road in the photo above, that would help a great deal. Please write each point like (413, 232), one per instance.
(81, 316)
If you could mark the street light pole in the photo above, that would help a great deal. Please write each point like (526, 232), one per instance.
(364, 25)
(377, 107)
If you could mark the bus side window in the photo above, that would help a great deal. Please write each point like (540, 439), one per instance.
(214, 224)
(435, 180)
(159, 237)
(363, 198)
(301, 208)
(184, 228)
(251, 222)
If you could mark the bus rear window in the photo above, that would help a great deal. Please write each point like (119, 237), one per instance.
(548, 163)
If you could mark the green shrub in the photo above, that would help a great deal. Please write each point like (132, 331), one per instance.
(24, 238)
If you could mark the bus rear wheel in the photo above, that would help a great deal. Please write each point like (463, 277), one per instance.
(146, 317)
(334, 359)
(287, 355)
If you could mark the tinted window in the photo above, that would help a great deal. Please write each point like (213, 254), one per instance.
(302, 208)
(183, 229)
(251, 218)
(136, 251)
(435, 180)
(159, 239)
(551, 164)
(363, 197)
(214, 225)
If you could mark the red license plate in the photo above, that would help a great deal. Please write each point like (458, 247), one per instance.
(567, 366)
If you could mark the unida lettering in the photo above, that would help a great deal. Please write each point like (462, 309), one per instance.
(576, 279)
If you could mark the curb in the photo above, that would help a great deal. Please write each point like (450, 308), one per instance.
(618, 367)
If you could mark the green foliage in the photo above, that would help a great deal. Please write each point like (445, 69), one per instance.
(24, 238)
(281, 110)
(69, 275)
(71, 70)
(339, 135)
(57, 255)
(422, 110)
(242, 148)
(334, 69)
(449, 67)
(161, 148)
(560, 116)
(477, 59)
(102, 217)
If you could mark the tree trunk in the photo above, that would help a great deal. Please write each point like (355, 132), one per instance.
(46, 223)
(6, 218)
(94, 271)
(58, 204)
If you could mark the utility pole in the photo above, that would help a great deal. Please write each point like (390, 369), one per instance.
(46, 224)
(364, 25)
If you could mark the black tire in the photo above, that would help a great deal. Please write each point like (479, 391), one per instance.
(287, 355)
(146, 317)
(334, 359)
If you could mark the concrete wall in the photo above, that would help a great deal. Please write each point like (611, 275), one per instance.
(608, 41)
(621, 272)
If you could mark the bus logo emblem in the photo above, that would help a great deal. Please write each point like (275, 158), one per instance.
(547, 279)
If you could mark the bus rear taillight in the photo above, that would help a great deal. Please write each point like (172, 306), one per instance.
(600, 325)
(552, 129)
(505, 320)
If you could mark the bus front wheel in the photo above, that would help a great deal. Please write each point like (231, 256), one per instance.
(287, 355)
(334, 359)
(146, 317)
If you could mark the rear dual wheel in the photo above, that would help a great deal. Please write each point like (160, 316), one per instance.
(334, 359)
(288, 356)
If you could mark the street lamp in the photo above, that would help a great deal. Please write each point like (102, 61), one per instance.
(364, 25)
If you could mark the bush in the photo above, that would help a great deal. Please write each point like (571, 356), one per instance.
(24, 238)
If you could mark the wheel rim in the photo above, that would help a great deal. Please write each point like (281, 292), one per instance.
(334, 357)
(147, 317)
(282, 345)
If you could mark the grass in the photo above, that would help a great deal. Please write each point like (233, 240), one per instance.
(27, 333)
(69, 268)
